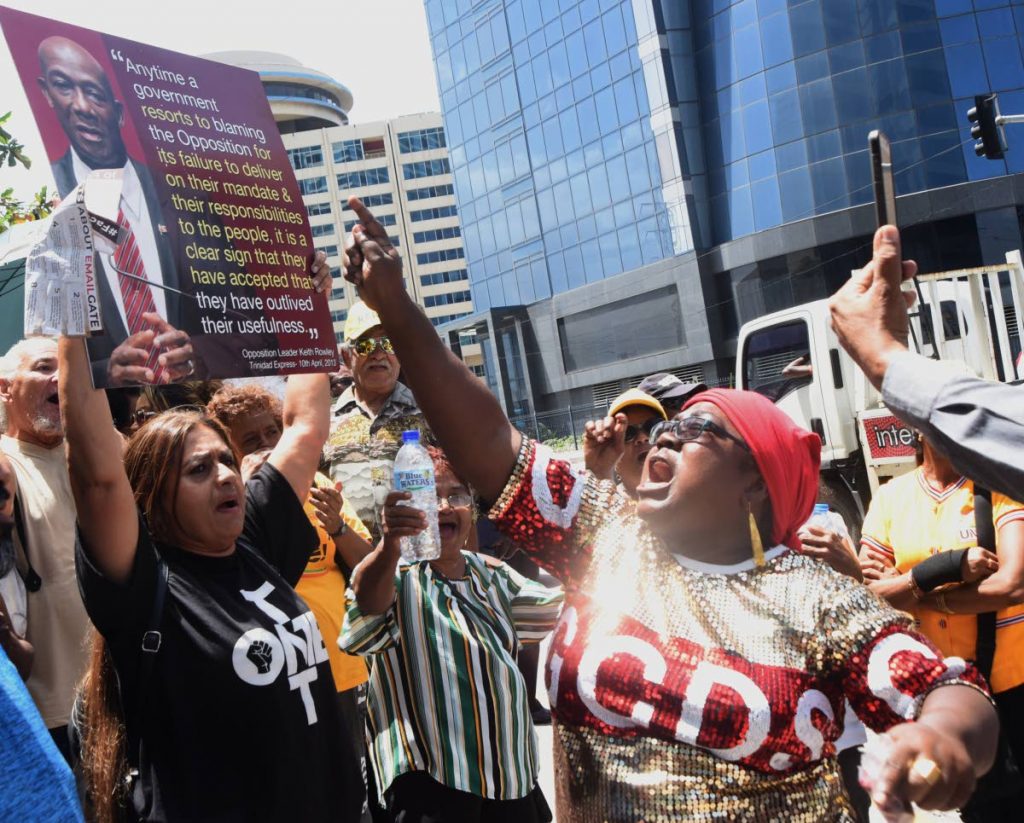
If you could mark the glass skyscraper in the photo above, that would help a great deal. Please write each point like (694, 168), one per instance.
(603, 150)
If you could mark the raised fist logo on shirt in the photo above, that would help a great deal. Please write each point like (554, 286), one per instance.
(262, 656)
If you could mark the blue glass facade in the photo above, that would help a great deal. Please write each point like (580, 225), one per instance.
(789, 91)
(590, 137)
(561, 174)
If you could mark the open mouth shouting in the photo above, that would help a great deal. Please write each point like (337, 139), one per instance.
(660, 473)
(229, 504)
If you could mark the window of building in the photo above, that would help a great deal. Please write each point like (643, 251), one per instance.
(426, 168)
(322, 230)
(339, 316)
(318, 209)
(363, 177)
(277, 89)
(448, 299)
(313, 185)
(440, 277)
(371, 200)
(373, 147)
(422, 140)
(655, 317)
(446, 318)
(434, 213)
(331, 250)
(430, 191)
(383, 219)
(307, 157)
(347, 151)
(436, 234)
(439, 256)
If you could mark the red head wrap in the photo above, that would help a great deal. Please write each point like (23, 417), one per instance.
(787, 456)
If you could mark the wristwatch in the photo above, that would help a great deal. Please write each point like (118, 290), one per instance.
(341, 530)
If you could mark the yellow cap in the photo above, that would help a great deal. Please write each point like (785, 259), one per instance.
(361, 318)
(635, 397)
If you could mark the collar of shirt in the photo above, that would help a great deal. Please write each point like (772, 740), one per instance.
(401, 400)
(131, 187)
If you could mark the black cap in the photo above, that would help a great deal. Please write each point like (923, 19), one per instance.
(664, 386)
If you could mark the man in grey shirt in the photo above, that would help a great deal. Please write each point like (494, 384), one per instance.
(979, 424)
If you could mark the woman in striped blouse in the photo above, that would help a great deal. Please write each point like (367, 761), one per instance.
(451, 737)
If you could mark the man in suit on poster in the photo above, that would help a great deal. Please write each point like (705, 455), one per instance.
(141, 303)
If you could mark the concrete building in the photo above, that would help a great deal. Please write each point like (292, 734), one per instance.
(637, 178)
(400, 168)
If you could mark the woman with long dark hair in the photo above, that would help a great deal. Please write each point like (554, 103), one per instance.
(209, 675)
(701, 666)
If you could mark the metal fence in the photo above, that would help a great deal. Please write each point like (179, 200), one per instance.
(563, 429)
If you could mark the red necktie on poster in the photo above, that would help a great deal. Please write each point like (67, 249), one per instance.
(135, 289)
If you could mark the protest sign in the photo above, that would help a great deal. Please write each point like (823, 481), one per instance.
(207, 243)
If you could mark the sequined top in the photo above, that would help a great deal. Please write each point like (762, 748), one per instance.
(685, 691)
(362, 446)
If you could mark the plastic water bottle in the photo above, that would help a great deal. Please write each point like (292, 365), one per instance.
(414, 473)
(825, 519)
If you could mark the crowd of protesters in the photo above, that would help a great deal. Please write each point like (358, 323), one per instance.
(204, 613)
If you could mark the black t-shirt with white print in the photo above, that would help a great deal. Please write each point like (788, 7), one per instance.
(240, 718)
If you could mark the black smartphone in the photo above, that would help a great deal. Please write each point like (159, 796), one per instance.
(881, 178)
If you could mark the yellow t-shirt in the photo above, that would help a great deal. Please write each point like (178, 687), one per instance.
(323, 586)
(910, 521)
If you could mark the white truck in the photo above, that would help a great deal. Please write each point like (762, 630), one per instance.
(971, 317)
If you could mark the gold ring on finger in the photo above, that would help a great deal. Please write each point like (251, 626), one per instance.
(926, 770)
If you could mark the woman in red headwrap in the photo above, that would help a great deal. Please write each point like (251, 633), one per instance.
(701, 666)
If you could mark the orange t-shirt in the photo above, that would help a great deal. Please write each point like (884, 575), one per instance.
(910, 521)
(323, 586)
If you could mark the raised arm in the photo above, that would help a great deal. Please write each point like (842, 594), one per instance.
(463, 414)
(103, 497)
(977, 423)
(306, 418)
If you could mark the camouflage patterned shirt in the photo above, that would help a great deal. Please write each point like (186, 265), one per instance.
(362, 447)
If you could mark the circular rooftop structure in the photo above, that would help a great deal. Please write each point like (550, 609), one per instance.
(301, 98)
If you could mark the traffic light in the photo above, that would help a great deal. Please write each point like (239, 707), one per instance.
(986, 129)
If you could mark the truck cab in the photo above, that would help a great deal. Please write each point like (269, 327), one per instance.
(968, 317)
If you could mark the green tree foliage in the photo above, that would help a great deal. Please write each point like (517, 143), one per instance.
(12, 208)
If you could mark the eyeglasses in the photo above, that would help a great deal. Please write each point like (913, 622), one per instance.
(457, 500)
(367, 346)
(633, 432)
(690, 428)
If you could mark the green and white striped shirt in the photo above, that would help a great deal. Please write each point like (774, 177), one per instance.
(445, 696)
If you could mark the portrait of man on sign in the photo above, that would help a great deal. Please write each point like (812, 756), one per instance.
(140, 299)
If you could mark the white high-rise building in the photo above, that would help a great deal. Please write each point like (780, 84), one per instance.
(399, 168)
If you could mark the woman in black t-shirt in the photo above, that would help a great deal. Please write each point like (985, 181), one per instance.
(237, 718)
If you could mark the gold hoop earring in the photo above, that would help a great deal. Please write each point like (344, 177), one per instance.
(755, 537)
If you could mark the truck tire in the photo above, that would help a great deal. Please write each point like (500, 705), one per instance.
(833, 491)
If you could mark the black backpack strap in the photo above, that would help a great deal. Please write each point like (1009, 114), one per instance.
(152, 639)
(33, 582)
(986, 645)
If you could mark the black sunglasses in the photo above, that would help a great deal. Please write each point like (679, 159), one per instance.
(690, 428)
(633, 432)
